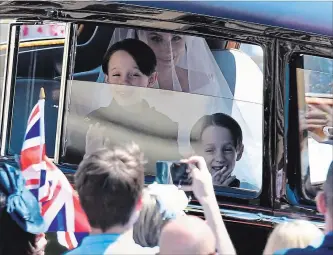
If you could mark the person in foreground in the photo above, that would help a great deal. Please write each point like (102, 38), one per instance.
(180, 236)
(325, 206)
(292, 234)
(161, 203)
(21, 225)
(110, 185)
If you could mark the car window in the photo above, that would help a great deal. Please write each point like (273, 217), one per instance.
(38, 65)
(315, 102)
(173, 96)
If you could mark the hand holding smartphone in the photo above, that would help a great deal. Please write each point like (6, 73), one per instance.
(189, 175)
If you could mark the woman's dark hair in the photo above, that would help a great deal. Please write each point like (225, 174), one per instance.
(13, 239)
(220, 120)
(142, 54)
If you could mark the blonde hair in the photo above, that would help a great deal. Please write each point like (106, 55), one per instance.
(293, 234)
(147, 229)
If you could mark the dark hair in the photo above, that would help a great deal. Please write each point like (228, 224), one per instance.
(328, 189)
(142, 54)
(109, 183)
(25, 243)
(216, 119)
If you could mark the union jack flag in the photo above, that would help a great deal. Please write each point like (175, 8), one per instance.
(60, 205)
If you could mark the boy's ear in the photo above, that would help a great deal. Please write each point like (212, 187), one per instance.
(240, 152)
(152, 80)
(106, 78)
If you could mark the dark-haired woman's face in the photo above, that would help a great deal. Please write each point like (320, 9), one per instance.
(168, 48)
(123, 70)
(219, 150)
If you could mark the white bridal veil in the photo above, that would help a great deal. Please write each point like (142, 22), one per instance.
(203, 74)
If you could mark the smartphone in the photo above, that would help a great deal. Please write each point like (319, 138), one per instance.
(173, 172)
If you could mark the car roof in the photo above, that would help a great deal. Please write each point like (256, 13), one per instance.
(313, 17)
(304, 16)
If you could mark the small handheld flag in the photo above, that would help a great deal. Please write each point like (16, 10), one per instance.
(60, 205)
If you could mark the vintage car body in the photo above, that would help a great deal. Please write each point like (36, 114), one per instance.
(280, 28)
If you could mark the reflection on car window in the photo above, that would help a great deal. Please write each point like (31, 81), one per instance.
(42, 32)
(318, 73)
(174, 96)
(4, 27)
(255, 52)
(37, 67)
(315, 93)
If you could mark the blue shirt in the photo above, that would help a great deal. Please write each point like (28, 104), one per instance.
(94, 244)
(107, 244)
(324, 248)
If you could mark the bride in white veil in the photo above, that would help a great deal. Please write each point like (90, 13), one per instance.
(187, 59)
(193, 68)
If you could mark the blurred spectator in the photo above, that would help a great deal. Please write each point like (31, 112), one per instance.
(325, 206)
(110, 184)
(293, 234)
(22, 226)
(189, 235)
(201, 239)
(160, 204)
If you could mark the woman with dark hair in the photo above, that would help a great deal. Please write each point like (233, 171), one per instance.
(219, 139)
(22, 226)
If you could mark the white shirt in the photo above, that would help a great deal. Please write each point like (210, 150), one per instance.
(126, 245)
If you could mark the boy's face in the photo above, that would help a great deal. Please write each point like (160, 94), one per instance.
(123, 70)
(219, 150)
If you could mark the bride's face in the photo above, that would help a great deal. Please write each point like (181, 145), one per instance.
(168, 48)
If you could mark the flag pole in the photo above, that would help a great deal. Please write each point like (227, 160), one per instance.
(42, 93)
(42, 127)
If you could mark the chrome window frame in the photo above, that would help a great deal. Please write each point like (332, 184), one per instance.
(66, 73)
(9, 79)
(8, 59)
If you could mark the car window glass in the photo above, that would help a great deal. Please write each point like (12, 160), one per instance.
(4, 28)
(42, 31)
(193, 100)
(315, 101)
(38, 65)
